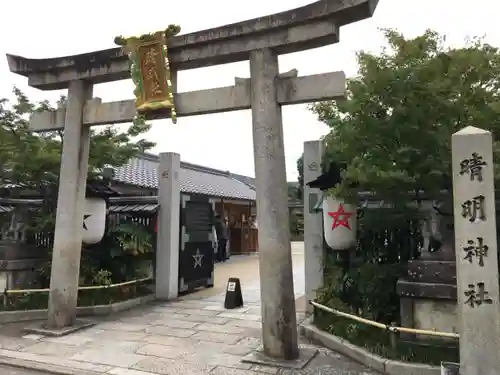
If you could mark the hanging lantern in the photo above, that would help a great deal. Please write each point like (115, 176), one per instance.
(339, 223)
(94, 220)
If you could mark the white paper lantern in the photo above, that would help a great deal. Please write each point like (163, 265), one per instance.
(94, 220)
(339, 222)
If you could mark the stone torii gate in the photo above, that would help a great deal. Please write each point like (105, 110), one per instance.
(260, 41)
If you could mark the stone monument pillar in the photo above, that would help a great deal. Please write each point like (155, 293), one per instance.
(167, 245)
(70, 205)
(279, 327)
(313, 222)
(476, 252)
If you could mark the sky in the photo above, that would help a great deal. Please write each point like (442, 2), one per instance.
(52, 28)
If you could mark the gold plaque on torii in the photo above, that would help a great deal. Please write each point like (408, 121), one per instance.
(150, 70)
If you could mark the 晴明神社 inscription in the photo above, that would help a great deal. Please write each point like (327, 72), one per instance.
(473, 166)
(473, 209)
(476, 295)
(476, 249)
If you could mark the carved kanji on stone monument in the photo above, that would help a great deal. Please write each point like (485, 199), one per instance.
(476, 251)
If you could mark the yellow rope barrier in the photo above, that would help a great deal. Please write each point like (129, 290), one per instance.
(393, 329)
(21, 291)
(89, 287)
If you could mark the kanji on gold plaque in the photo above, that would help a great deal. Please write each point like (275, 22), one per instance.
(153, 74)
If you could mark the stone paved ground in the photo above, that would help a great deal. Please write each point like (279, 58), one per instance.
(192, 336)
(8, 370)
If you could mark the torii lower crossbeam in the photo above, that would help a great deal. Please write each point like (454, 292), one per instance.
(290, 89)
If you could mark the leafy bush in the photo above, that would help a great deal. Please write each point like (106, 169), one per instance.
(124, 253)
(364, 279)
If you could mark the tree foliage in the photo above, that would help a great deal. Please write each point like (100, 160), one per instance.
(300, 171)
(394, 129)
(33, 160)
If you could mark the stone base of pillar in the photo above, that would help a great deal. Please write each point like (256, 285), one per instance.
(257, 357)
(43, 329)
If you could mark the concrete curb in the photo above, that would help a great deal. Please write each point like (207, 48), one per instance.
(99, 310)
(375, 362)
(48, 368)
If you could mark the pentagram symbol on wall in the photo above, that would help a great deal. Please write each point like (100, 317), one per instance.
(198, 257)
(85, 217)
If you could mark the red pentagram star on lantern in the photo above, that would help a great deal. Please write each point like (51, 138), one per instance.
(340, 218)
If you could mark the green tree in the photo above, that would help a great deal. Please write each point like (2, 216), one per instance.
(300, 170)
(33, 160)
(394, 130)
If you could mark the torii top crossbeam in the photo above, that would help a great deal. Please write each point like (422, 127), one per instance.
(310, 26)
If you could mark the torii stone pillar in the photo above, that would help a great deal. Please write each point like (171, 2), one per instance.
(70, 205)
(275, 266)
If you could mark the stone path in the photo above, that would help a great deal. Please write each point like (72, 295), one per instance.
(9, 370)
(190, 336)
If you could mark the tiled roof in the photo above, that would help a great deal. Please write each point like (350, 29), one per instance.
(250, 181)
(143, 171)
